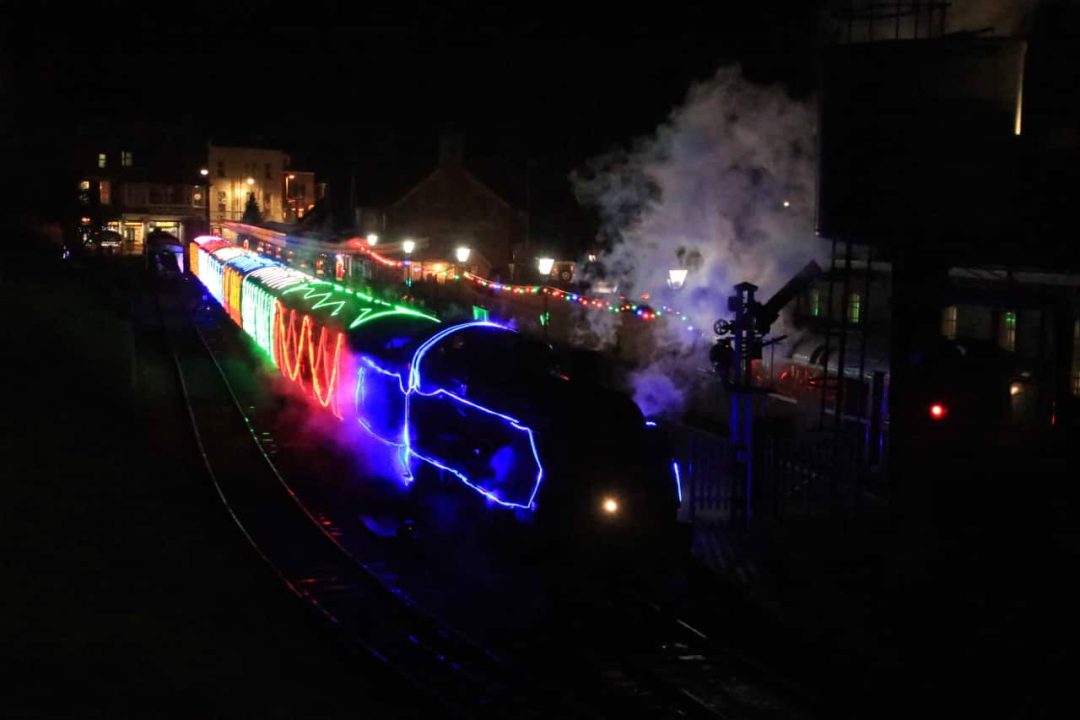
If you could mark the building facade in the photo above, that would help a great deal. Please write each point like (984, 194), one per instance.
(127, 189)
(237, 173)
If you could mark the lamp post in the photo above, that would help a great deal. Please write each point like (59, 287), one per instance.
(676, 278)
(408, 246)
(288, 199)
(372, 239)
(544, 265)
(205, 172)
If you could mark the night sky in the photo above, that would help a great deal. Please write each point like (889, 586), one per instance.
(537, 87)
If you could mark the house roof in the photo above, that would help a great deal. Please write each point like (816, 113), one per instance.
(443, 169)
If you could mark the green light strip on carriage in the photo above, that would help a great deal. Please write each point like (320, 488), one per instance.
(368, 316)
(312, 292)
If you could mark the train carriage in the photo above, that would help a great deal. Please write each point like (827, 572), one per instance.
(476, 401)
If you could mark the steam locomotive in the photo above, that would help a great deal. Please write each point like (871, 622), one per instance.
(476, 403)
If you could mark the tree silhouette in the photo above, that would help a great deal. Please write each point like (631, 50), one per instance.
(252, 214)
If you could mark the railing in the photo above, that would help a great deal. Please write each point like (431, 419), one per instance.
(706, 467)
(817, 474)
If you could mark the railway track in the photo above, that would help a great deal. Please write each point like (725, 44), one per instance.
(461, 677)
(671, 670)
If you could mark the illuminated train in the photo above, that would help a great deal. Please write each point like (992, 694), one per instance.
(476, 402)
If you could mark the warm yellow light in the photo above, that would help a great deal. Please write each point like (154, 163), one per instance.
(787, 203)
(372, 239)
(204, 172)
(1016, 389)
(408, 246)
(462, 254)
(611, 506)
(250, 181)
(292, 177)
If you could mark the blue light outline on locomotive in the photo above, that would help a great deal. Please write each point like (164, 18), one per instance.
(356, 398)
(464, 478)
(406, 442)
(678, 479)
(414, 386)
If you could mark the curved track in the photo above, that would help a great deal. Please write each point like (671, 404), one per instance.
(462, 677)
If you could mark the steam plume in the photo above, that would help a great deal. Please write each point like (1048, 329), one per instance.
(725, 190)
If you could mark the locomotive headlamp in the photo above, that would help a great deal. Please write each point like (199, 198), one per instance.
(610, 505)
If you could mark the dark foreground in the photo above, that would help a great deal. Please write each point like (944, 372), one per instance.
(127, 589)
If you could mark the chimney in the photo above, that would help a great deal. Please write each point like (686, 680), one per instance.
(451, 148)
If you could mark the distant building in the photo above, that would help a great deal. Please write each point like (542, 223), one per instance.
(300, 194)
(451, 209)
(282, 193)
(237, 173)
(139, 184)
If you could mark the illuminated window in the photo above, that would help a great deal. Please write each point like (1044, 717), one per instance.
(855, 308)
(105, 192)
(101, 160)
(1076, 359)
(948, 322)
(1007, 331)
(221, 168)
(126, 158)
(815, 302)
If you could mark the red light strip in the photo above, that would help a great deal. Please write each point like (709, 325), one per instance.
(361, 246)
(291, 347)
(318, 368)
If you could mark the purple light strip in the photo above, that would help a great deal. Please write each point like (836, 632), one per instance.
(414, 384)
(678, 479)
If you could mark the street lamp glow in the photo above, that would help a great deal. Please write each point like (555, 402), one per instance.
(204, 172)
(462, 254)
(676, 278)
(372, 239)
(787, 203)
(544, 265)
(291, 176)
(250, 181)
(408, 246)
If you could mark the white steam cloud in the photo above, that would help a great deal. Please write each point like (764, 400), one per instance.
(725, 189)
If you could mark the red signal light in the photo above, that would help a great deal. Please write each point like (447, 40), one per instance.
(938, 411)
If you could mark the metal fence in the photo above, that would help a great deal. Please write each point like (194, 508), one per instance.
(813, 474)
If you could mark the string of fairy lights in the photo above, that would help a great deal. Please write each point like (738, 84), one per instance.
(640, 310)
